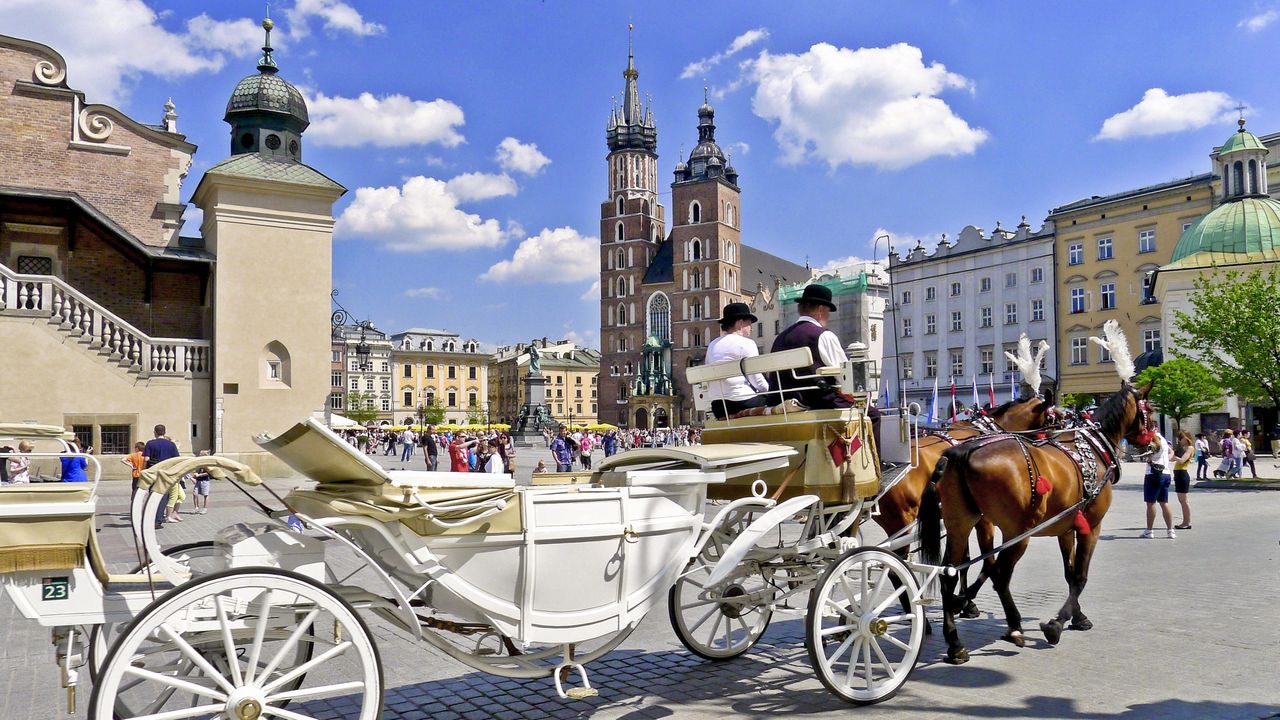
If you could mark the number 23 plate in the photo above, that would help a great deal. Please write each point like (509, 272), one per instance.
(55, 588)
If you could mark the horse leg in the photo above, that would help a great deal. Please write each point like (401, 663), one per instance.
(986, 540)
(1084, 555)
(1052, 629)
(957, 548)
(1000, 578)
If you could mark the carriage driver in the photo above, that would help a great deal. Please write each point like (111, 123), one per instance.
(733, 395)
(811, 331)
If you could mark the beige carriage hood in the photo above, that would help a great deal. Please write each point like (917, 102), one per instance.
(316, 452)
(32, 430)
(164, 475)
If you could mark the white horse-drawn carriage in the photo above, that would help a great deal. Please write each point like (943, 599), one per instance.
(519, 580)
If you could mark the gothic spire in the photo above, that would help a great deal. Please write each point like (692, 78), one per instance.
(631, 127)
(631, 98)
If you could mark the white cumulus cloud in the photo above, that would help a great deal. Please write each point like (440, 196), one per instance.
(870, 106)
(740, 43)
(481, 186)
(422, 214)
(516, 156)
(1159, 113)
(431, 293)
(1254, 23)
(335, 16)
(592, 293)
(390, 121)
(562, 255)
(241, 37)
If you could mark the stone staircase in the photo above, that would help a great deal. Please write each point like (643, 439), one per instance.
(98, 330)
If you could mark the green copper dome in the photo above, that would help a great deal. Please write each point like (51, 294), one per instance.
(1241, 140)
(1245, 229)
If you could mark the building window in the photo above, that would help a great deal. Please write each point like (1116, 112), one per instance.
(408, 370)
(116, 439)
(1104, 355)
(955, 289)
(1146, 241)
(906, 327)
(957, 362)
(984, 285)
(621, 206)
(1150, 340)
(355, 384)
(386, 385)
(930, 293)
(337, 356)
(1075, 253)
(622, 287)
(695, 212)
(984, 317)
(908, 368)
(930, 324)
(660, 317)
(957, 325)
(1011, 314)
(906, 297)
(1037, 310)
(335, 379)
(453, 371)
(1077, 300)
(431, 372)
(930, 365)
(335, 401)
(408, 398)
(36, 265)
(1009, 353)
(273, 369)
(1010, 280)
(619, 233)
(386, 404)
(1186, 226)
(1106, 249)
(1079, 351)
(1037, 275)
(621, 261)
(471, 372)
(1147, 297)
(1108, 293)
(988, 361)
(472, 400)
(453, 399)
(368, 384)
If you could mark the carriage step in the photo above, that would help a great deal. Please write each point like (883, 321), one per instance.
(929, 601)
(581, 693)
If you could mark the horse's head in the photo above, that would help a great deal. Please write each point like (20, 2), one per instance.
(1027, 413)
(1140, 429)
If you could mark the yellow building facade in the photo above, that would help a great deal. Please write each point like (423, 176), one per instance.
(437, 366)
(1105, 249)
(572, 374)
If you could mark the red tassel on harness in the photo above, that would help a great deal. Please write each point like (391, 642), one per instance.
(1081, 523)
(1043, 487)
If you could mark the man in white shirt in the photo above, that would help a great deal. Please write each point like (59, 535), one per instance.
(733, 395)
(406, 444)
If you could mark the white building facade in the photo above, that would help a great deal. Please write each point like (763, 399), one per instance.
(955, 311)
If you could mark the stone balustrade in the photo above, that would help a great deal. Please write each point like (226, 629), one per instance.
(87, 322)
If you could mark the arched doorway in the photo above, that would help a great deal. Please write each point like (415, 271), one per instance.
(642, 419)
(660, 418)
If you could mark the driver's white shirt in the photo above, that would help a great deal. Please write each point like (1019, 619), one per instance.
(829, 347)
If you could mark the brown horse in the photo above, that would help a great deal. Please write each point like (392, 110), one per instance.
(899, 505)
(1018, 485)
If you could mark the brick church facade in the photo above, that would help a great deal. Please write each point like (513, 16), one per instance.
(661, 291)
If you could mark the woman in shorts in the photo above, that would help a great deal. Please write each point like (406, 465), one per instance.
(201, 491)
(1183, 455)
(1155, 486)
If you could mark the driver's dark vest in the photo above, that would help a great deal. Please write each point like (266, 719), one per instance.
(802, 334)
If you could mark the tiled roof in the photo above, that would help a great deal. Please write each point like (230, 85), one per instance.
(1105, 199)
(253, 165)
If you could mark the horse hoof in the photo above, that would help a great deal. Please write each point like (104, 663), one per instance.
(1082, 623)
(1052, 631)
(1015, 637)
(970, 611)
(958, 657)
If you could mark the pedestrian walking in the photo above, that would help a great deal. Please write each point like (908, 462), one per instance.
(1247, 457)
(431, 448)
(1227, 466)
(584, 450)
(406, 445)
(1155, 487)
(157, 450)
(561, 451)
(1202, 457)
(1183, 454)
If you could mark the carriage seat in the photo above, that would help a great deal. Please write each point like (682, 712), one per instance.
(414, 506)
(46, 526)
(702, 377)
(423, 480)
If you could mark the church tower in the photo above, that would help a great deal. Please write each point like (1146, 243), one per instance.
(631, 229)
(268, 219)
(706, 249)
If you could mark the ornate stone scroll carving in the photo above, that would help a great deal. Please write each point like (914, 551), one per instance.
(48, 73)
(95, 127)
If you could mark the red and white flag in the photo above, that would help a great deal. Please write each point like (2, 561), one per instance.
(953, 398)
(991, 389)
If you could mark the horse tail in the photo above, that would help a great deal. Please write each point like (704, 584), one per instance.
(930, 515)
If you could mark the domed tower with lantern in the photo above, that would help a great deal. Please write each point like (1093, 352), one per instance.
(268, 218)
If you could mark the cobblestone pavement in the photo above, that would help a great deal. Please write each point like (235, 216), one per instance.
(1185, 628)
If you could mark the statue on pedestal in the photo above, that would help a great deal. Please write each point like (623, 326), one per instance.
(535, 366)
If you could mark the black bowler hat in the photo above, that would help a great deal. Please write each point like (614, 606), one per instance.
(817, 295)
(736, 311)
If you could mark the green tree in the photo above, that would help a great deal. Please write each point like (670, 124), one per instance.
(1181, 388)
(1234, 330)
(1076, 401)
(474, 416)
(435, 412)
(361, 407)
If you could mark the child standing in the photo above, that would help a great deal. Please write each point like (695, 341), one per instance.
(201, 488)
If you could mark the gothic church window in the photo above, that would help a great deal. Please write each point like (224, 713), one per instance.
(659, 317)
(695, 250)
(695, 212)
(621, 206)
(619, 233)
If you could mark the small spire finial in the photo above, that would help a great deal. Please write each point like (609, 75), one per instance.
(1240, 109)
(266, 63)
(705, 89)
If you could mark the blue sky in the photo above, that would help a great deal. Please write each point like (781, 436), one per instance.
(844, 120)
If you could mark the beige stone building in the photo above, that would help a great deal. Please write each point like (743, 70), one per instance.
(572, 374)
(110, 322)
(437, 366)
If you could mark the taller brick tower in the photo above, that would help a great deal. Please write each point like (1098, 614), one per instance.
(631, 229)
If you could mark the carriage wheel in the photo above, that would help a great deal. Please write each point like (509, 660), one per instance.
(231, 644)
(862, 645)
(727, 619)
(201, 558)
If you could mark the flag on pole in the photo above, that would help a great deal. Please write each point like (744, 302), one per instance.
(1013, 387)
(976, 401)
(991, 389)
(884, 395)
(933, 403)
(953, 398)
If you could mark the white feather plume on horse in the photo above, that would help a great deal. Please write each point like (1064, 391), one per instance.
(1118, 345)
(1028, 364)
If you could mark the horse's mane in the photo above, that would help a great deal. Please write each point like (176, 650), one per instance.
(998, 411)
(1110, 414)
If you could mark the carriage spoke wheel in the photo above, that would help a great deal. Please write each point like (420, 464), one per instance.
(242, 644)
(725, 620)
(861, 643)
